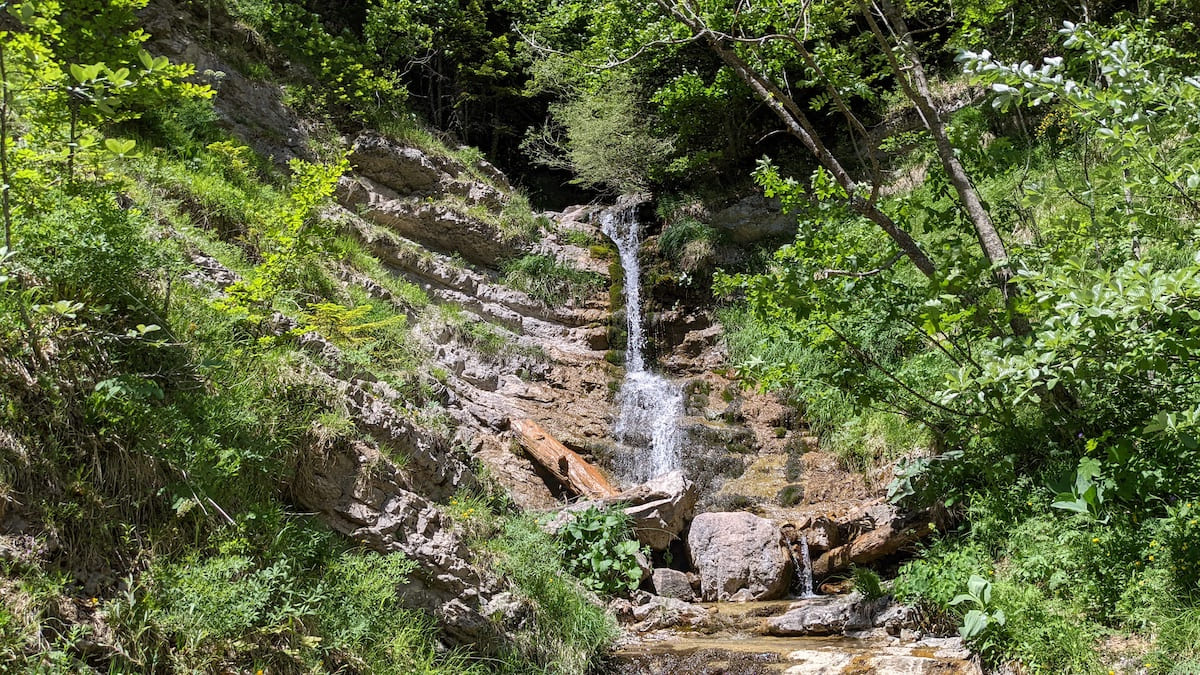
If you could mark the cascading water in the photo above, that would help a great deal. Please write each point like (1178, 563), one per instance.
(649, 405)
(806, 575)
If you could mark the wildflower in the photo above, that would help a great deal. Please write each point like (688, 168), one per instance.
(1095, 540)
(1151, 558)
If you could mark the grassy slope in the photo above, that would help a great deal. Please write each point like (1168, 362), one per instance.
(147, 436)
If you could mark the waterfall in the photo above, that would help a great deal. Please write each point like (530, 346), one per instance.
(806, 573)
(649, 405)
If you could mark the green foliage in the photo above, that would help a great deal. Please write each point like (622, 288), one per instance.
(598, 547)
(571, 631)
(934, 579)
(981, 620)
(550, 281)
(350, 77)
(344, 324)
(287, 239)
(602, 137)
(867, 582)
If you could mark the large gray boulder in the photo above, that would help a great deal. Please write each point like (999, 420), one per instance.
(754, 218)
(735, 551)
(660, 508)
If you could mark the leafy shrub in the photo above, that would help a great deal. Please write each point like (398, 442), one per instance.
(89, 249)
(600, 135)
(934, 579)
(598, 547)
(1179, 540)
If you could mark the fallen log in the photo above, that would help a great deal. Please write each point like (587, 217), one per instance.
(567, 467)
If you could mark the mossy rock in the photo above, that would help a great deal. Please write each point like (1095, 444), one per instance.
(790, 495)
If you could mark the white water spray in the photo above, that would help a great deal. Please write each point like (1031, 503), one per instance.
(649, 405)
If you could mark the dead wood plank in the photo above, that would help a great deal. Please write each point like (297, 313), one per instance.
(569, 468)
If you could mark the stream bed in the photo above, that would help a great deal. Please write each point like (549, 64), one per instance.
(734, 641)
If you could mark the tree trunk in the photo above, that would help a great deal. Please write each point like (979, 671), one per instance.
(798, 125)
(916, 87)
(567, 467)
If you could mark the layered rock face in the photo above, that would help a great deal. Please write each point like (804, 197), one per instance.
(400, 204)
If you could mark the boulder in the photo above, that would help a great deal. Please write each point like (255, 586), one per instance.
(658, 613)
(890, 531)
(660, 508)
(822, 535)
(738, 550)
(754, 218)
(897, 618)
(826, 615)
(671, 583)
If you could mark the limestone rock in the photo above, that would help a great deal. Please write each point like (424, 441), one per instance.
(738, 550)
(897, 618)
(671, 583)
(363, 495)
(822, 535)
(660, 508)
(826, 615)
(886, 531)
(752, 219)
(434, 224)
(659, 612)
(415, 173)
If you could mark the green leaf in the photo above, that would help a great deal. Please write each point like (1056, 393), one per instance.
(974, 623)
(980, 588)
(119, 147)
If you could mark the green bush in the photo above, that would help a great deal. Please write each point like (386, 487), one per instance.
(88, 249)
(597, 546)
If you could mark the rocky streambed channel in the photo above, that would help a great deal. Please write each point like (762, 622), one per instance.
(720, 592)
(821, 635)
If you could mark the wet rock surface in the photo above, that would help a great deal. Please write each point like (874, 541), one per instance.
(736, 639)
(825, 615)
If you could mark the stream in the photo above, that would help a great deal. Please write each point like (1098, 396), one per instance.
(735, 640)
